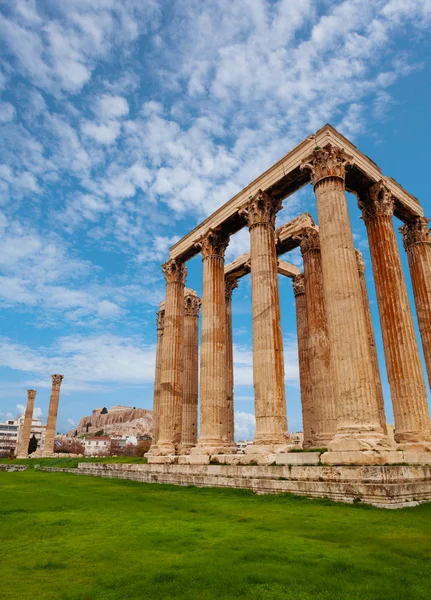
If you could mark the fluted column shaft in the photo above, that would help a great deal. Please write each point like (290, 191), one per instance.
(417, 242)
(372, 341)
(158, 371)
(354, 386)
(189, 429)
(51, 423)
(304, 363)
(230, 284)
(213, 414)
(409, 398)
(319, 352)
(268, 364)
(171, 377)
(24, 436)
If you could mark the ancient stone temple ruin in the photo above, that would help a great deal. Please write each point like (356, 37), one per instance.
(341, 391)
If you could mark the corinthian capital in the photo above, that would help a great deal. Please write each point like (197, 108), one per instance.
(261, 208)
(175, 271)
(192, 303)
(310, 240)
(416, 231)
(56, 380)
(330, 161)
(160, 319)
(230, 283)
(376, 201)
(31, 394)
(360, 261)
(213, 243)
(298, 285)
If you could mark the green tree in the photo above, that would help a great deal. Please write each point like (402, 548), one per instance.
(32, 446)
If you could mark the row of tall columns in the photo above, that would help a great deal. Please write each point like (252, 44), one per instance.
(25, 432)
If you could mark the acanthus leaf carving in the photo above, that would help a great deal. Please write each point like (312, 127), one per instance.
(310, 240)
(376, 201)
(360, 261)
(31, 394)
(213, 243)
(160, 320)
(192, 304)
(56, 380)
(260, 209)
(330, 161)
(298, 285)
(175, 271)
(230, 283)
(416, 231)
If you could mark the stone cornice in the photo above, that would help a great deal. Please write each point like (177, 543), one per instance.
(260, 209)
(56, 380)
(298, 285)
(213, 243)
(416, 231)
(310, 240)
(175, 271)
(330, 161)
(376, 201)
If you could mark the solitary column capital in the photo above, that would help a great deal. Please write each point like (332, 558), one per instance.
(192, 303)
(330, 161)
(175, 271)
(416, 231)
(298, 285)
(310, 240)
(376, 201)
(213, 243)
(230, 283)
(56, 380)
(260, 209)
(31, 394)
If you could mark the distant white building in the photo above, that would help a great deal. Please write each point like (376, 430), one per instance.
(10, 432)
(97, 445)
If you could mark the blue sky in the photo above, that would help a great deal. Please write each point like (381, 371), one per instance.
(126, 123)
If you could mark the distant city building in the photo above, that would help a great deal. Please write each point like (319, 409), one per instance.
(97, 445)
(11, 430)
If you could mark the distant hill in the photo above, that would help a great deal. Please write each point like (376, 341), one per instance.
(118, 420)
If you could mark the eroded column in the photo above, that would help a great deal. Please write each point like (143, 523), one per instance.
(358, 424)
(160, 319)
(409, 398)
(213, 413)
(189, 429)
(25, 432)
(371, 340)
(230, 284)
(171, 376)
(417, 242)
(51, 423)
(268, 365)
(319, 352)
(303, 360)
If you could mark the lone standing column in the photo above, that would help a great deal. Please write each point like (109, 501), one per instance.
(304, 363)
(189, 429)
(409, 397)
(230, 284)
(171, 377)
(358, 424)
(213, 430)
(24, 436)
(160, 319)
(372, 340)
(417, 242)
(268, 364)
(52, 415)
(319, 351)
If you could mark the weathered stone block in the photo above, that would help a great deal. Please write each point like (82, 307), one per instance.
(298, 458)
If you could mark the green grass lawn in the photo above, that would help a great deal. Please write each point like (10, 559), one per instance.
(67, 537)
(72, 463)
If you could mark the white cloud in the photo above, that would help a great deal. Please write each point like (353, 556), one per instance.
(37, 413)
(245, 426)
(71, 422)
(20, 408)
(7, 112)
(112, 107)
(103, 133)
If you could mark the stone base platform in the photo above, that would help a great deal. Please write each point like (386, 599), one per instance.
(385, 486)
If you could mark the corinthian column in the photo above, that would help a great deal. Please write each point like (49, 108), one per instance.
(189, 430)
(403, 364)
(24, 436)
(304, 363)
(171, 376)
(160, 319)
(372, 341)
(268, 365)
(230, 284)
(213, 429)
(358, 425)
(51, 423)
(319, 352)
(417, 242)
